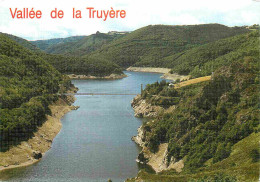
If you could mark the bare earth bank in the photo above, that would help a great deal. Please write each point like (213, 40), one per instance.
(149, 69)
(165, 71)
(89, 77)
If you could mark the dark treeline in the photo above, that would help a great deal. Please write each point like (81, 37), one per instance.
(82, 66)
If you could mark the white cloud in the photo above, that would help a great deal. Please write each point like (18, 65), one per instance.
(139, 13)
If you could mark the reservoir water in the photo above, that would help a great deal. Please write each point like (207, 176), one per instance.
(94, 143)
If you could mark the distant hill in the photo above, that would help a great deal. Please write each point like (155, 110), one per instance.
(150, 46)
(22, 42)
(46, 44)
(147, 46)
(78, 45)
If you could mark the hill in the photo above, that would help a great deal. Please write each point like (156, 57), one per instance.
(210, 128)
(203, 60)
(28, 85)
(147, 46)
(68, 64)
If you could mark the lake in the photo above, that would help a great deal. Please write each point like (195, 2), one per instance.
(94, 143)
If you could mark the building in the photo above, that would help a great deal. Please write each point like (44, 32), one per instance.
(171, 85)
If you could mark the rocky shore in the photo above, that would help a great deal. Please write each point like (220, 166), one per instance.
(159, 161)
(31, 151)
(89, 77)
(143, 109)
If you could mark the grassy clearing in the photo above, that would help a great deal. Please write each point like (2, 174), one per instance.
(192, 81)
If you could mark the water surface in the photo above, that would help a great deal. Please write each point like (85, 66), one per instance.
(94, 143)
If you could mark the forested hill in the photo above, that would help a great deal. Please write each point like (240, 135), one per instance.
(77, 45)
(46, 44)
(212, 127)
(147, 46)
(67, 64)
(203, 60)
(28, 84)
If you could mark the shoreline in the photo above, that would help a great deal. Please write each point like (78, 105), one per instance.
(23, 154)
(142, 109)
(89, 77)
(157, 161)
(149, 69)
(165, 71)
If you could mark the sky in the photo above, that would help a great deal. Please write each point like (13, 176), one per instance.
(139, 13)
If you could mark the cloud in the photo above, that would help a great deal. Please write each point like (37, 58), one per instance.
(139, 14)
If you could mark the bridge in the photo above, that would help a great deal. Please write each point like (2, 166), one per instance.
(99, 94)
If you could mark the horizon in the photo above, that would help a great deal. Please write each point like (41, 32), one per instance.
(138, 14)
